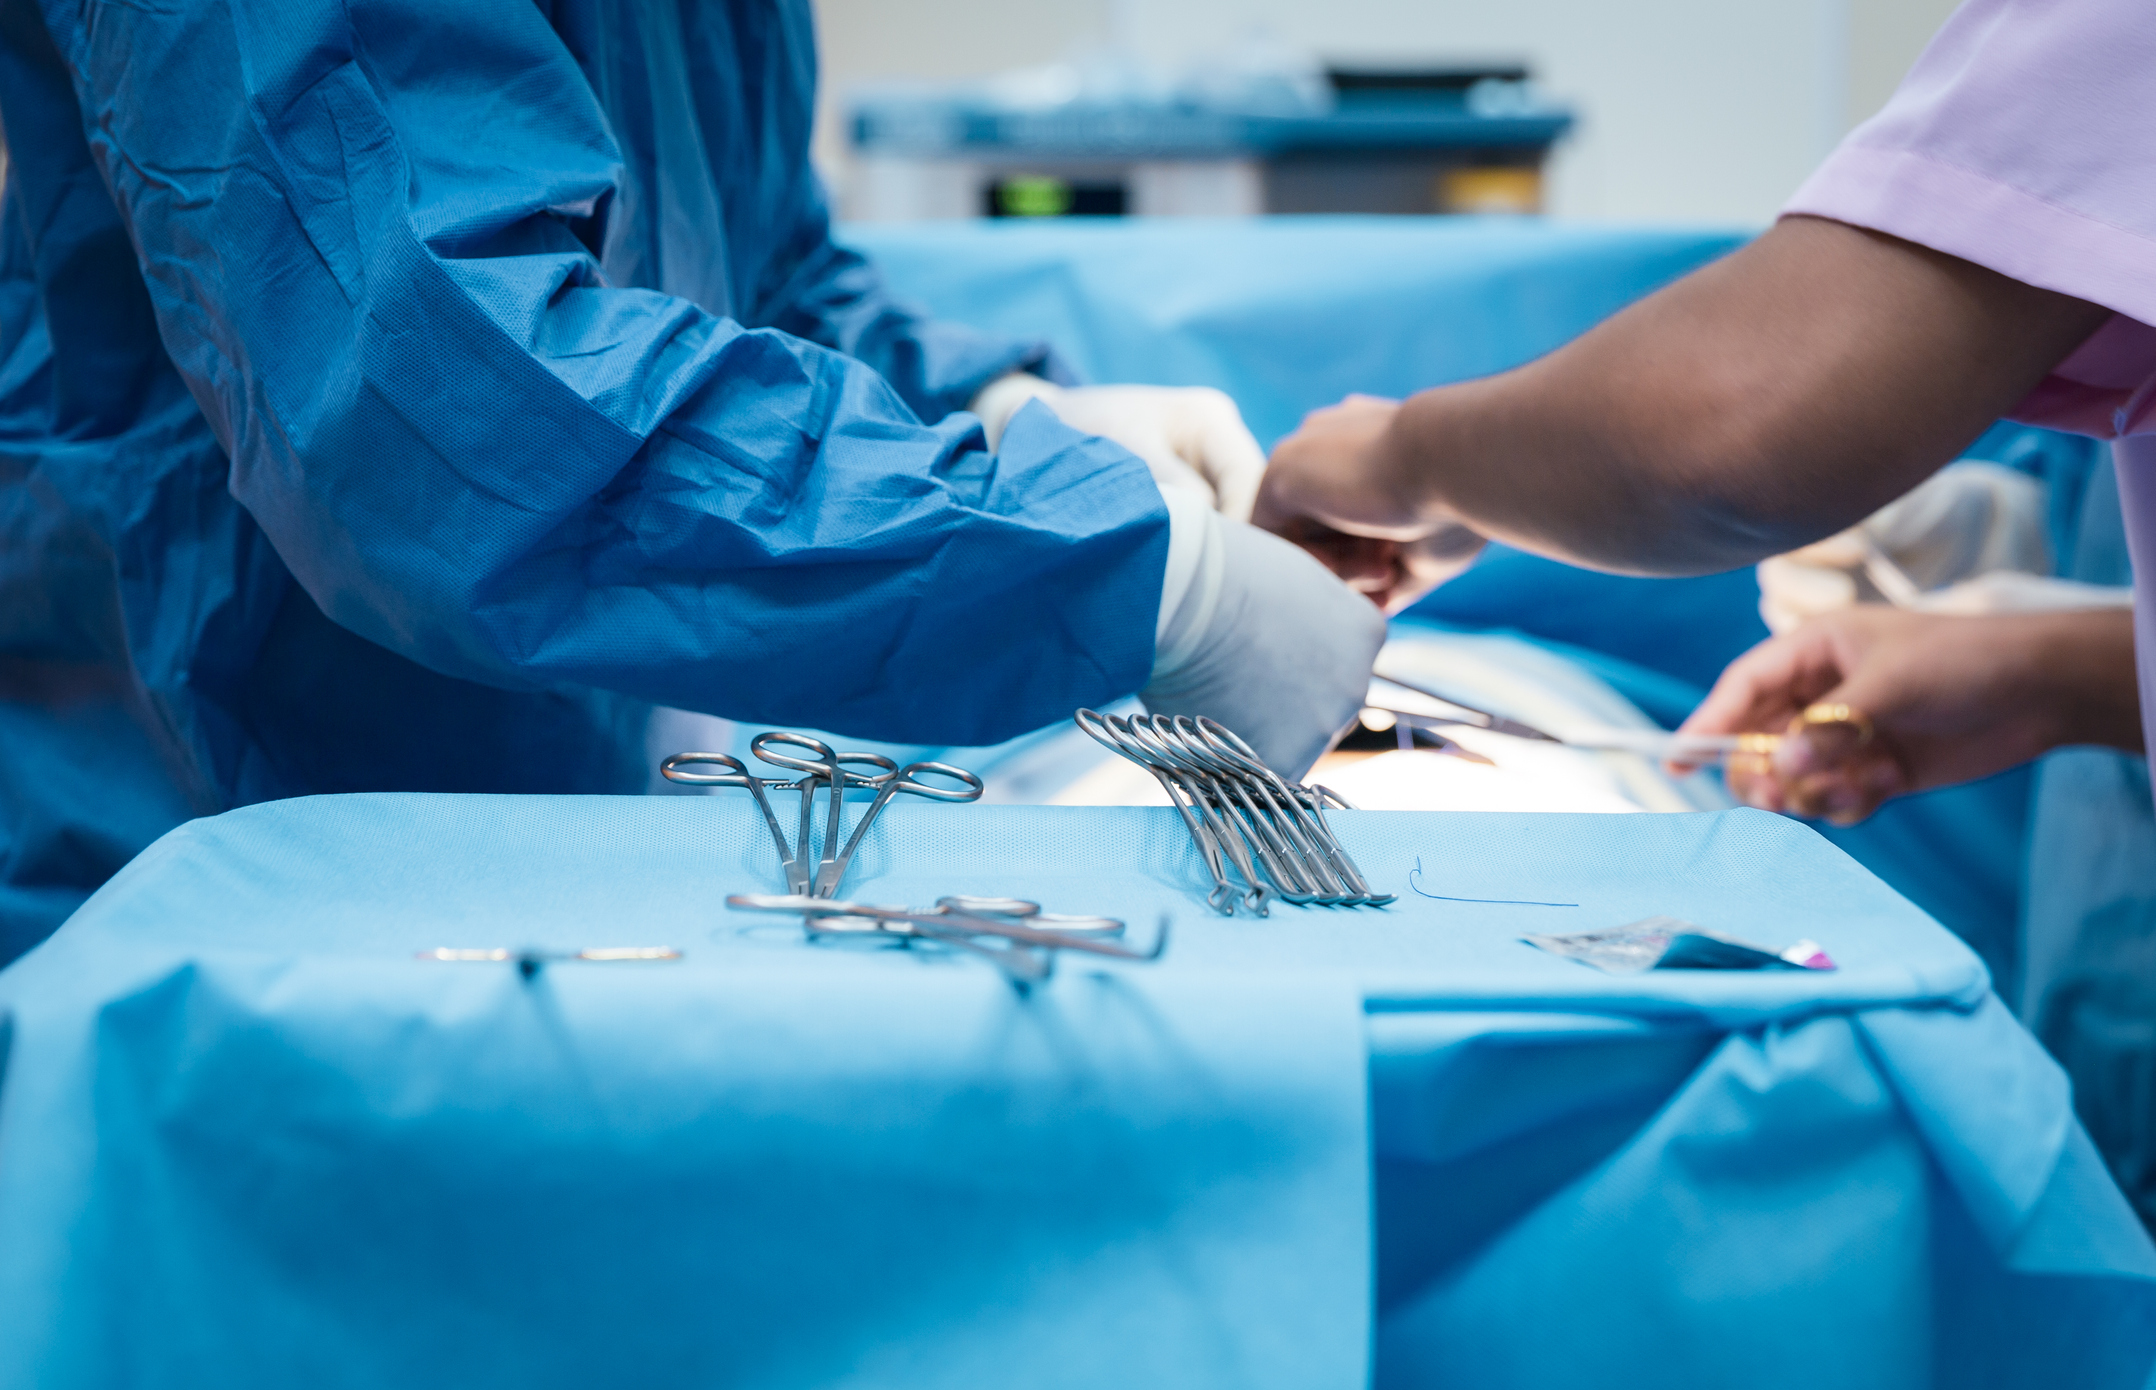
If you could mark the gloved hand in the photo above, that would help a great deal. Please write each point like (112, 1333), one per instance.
(1191, 437)
(1257, 634)
(1969, 520)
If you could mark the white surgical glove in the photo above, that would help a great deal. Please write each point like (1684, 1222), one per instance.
(1260, 636)
(1191, 437)
(1948, 545)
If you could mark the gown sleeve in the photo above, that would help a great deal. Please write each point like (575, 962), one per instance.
(835, 296)
(367, 232)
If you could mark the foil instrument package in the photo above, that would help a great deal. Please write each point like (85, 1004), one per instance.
(1671, 943)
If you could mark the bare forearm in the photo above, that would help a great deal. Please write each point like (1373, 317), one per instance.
(1758, 404)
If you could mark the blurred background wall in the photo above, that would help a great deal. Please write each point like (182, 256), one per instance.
(1690, 110)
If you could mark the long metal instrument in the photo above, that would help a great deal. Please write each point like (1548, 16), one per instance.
(1241, 815)
(1013, 934)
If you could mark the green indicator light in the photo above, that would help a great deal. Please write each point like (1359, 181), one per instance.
(1033, 196)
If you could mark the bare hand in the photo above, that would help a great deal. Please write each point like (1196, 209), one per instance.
(1328, 489)
(1949, 699)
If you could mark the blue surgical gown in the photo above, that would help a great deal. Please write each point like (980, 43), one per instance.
(409, 394)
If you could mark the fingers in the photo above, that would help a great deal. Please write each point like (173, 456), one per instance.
(1760, 690)
(1335, 469)
(1843, 789)
(1842, 786)
(1809, 687)
(1429, 562)
(1814, 770)
(1369, 566)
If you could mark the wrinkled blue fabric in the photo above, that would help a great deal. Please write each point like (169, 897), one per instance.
(286, 1153)
(250, 1140)
(407, 395)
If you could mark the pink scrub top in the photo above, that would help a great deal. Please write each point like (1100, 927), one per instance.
(2024, 140)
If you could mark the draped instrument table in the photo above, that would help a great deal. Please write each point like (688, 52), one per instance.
(246, 1139)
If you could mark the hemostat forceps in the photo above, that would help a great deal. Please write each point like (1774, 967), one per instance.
(1115, 732)
(905, 780)
(676, 769)
(529, 959)
(1029, 937)
(1240, 813)
(825, 768)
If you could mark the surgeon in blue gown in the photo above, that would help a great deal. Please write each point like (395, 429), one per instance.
(411, 396)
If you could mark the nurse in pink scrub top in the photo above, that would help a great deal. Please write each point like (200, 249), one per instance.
(1985, 246)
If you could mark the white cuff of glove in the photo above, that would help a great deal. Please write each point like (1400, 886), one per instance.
(1261, 637)
(1190, 589)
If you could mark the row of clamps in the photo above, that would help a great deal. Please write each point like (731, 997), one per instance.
(1241, 813)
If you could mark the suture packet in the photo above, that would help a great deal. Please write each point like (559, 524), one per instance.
(1671, 943)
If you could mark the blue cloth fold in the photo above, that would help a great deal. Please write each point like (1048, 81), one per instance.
(1777, 1223)
(277, 1150)
(233, 1102)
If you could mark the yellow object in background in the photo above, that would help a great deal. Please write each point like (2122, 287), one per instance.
(1482, 189)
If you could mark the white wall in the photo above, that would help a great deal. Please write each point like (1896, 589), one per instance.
(1703, 110)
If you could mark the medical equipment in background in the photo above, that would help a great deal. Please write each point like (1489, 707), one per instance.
(827, 770)
(1012, 934)
(1275, 133)
(1240, 813)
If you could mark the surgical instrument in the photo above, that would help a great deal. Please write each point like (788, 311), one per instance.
(1242, 816)
(905, 781)
(677, 769)
(1029, 937)
(1452, 711)
(1652, 743)
(529, 959)
(824, 768)
(1890, 579)
(828, 767)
